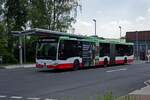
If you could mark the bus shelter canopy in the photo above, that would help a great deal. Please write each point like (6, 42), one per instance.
(45, 32)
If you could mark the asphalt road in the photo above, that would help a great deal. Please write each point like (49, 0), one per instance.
(85, 84)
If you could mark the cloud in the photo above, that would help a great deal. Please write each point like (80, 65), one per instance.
(140, 18)
(148, 10)
(84, 23)
(111, 29)
(129, 14)
(124, 22)
(108, 29)
(83, 27)
(99, 12)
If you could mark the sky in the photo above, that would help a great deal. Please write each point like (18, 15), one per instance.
(131, 15)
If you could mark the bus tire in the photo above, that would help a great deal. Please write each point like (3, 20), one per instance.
(76, 64)
(105, 63)
(125, 61)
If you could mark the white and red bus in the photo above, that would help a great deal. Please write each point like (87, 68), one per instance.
(64, 52)
(57, 50)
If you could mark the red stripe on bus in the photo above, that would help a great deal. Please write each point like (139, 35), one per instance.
(119, 61)
(130, 61)
(65, 66)
(61, 66)
(81, 65)
(122, 61)
(39, 66)
(101, 62)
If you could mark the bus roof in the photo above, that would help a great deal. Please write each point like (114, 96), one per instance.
(89, 39)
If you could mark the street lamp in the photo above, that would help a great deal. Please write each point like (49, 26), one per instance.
(95, 25)
(120, 32)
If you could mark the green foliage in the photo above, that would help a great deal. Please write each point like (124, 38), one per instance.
(18, 15)
(53, 14)
(4, 50)
(108, 96)
(9, 58)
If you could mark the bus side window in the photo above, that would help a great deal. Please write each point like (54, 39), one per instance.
(61, 49)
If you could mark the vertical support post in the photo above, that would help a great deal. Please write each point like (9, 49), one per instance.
(95, 25)
(137, 45)
(20, 49)
(24, 46)
(120, 32)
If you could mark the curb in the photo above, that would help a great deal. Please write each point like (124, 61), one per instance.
(17, 66)
(141, 94)
(139, 62)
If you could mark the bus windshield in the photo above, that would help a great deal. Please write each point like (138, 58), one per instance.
(47, 50)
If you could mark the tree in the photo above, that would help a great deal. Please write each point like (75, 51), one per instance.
(16, 14)
(53, 14)
(1, 6)
(13, 15)
(4, 50)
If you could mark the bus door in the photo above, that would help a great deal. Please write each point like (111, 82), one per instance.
(88, 53)
(97, 54)
(112, 53)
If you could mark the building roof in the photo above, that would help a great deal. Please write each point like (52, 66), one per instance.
(138, 35)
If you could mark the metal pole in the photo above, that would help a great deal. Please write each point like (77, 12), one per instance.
(146, 50)
(95, 25)
(20, 49)
(146, 44)
(24, 49)
(120, 32)
(137, 48)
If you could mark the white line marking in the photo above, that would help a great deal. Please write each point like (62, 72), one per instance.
(147, 83)
(33, 98)
(16, 97)
(3, 96)
(124, 69)
(50, 99)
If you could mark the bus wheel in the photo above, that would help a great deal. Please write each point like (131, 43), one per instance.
(125, 61)
(105, 63)
(76, 65)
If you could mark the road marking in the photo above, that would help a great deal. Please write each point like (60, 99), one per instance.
(16, 97)
(33, 98)
(20, 97)
(147, 83)
(3, 96)
(123, 69)
(50, 99)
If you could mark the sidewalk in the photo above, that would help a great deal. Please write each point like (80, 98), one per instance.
(142, 94)
(17, 66)
(139, 62)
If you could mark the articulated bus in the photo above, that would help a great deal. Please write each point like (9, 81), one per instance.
(59, 50)
(73, 53)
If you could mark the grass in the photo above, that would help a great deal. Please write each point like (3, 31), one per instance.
(109, 96)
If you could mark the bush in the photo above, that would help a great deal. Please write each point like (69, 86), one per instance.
(9, 59)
